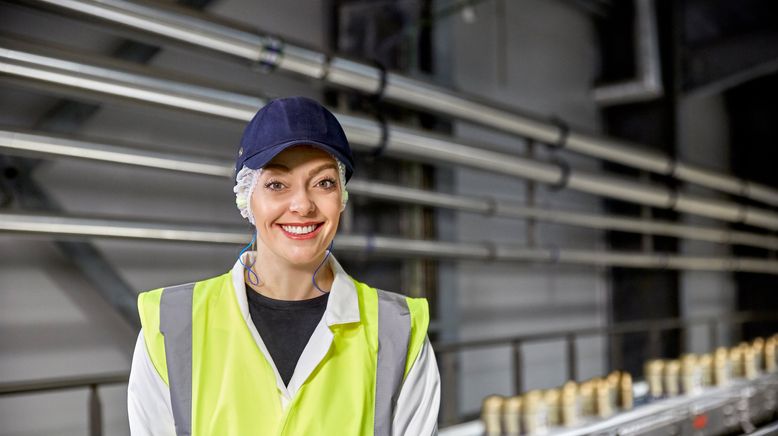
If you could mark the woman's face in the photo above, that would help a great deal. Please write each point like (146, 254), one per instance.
(296, 204)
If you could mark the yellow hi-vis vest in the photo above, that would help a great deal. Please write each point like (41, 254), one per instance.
(221, 384)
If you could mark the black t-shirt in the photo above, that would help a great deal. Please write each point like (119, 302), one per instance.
(285, 326)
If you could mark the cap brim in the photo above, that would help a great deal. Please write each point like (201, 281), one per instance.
(262, 158)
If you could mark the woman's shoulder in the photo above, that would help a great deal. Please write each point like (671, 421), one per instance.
(188, 286)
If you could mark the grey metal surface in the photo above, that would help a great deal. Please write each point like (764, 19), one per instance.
(199, 31)
(402, 142)
(68, 116)
(31, 196)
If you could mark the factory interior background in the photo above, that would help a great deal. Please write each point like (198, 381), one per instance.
(544, 172)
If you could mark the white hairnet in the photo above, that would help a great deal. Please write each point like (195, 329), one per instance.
(246, 181)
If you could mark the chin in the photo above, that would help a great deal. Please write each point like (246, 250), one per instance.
(304, 258)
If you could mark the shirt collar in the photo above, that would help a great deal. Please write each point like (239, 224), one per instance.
(342, 305)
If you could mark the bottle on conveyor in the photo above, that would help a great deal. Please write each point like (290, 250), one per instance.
(534, 413)
(491, 415)
(571, 404)
(511, 416)
(653, 370)
(671, 378)
(626, 394)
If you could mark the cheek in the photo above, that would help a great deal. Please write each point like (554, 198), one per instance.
(265, 209)
(331, 208)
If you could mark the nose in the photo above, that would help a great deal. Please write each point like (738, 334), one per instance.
(301, 202)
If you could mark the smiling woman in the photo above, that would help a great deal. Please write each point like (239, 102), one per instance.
(286, 343)
(296, 212)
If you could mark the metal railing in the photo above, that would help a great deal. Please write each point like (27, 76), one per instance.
(92, 382)
(447, 353)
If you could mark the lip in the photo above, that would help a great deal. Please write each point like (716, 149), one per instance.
(319, 226)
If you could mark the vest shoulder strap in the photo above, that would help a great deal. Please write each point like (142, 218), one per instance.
(175, 324)
(402, 328)
(166, 316)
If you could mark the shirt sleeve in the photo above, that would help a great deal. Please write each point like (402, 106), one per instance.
(419, 400)
(148, 397)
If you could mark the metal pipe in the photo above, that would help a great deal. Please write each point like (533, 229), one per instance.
(31, 143)
(199, 31)
(642, 326)
(69, 226)
(85, 73)
(364, 133)
(35, 144)
(92, 227)
(648, 83)
(52, 384)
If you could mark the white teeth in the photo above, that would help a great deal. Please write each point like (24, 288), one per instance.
(299, 230)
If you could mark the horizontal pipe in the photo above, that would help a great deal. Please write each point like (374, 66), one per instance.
(54, 384)
(125, 229)
(641, 326)
(365, 134)
(199, 31)
(33, 144)
(69, 226)
(29, 143)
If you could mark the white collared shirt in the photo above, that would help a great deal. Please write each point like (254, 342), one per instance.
(416, 414)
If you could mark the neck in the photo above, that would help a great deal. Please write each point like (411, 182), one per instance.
(282, 281)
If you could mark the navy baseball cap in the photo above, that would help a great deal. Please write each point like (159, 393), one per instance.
(286, 122)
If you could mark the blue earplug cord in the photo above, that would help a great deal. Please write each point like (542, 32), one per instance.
(252, 273)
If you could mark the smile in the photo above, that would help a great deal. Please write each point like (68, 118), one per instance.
(304, 231)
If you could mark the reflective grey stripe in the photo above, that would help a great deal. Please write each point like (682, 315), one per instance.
(175, 323)
(394, 335)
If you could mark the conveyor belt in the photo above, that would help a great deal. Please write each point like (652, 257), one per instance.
(736, 408)
(770, 429)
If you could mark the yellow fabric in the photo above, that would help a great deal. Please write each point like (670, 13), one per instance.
(234, 386)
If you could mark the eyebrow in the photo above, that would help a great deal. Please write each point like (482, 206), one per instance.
(279, 167)
(321, 168)
(284, 168)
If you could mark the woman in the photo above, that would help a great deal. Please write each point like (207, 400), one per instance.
(286, 343)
